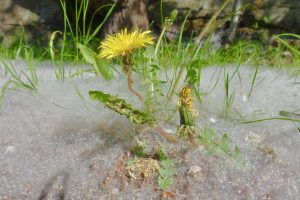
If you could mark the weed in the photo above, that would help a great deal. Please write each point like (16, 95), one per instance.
(140, 149)
(228, 97)
(17, 78)
(99, 66)
(287, 45)
(167, 170)
(3, 91)
(58, 70)
(207, 137)
(83, 33)
(123, 44)
(122, 107)
(253, 81)
(283, 115)
(157, 159)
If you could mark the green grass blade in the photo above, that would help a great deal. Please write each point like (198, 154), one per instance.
(253, 81)
(293, 49)
(289, 114)
(3, 91)
(100, 66)
(271, 118)
(101, 24)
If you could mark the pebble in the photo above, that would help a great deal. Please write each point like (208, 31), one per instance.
(169, 131)
(244, 98)
(212, 120)
(254, 138)
(9, 150)
(194, 170)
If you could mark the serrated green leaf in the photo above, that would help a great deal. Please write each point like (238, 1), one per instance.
(122, 107)
(167, 167)
(237, 153)
(165, 183)
(224, 144)
(166, 172)
(168, 163)
(208, 135)
(162, 154)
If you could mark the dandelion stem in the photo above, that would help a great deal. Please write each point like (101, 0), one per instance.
(129, 82)
(128, 69)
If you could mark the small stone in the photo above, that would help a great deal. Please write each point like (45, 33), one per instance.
(244, 98)
(169, 131)
(194, 170)
(10, 149)
(212, 120)
(254, 138)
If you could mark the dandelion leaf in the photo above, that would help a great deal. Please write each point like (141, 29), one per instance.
(238, 156)
(90, 57)
(122, 107)
(224, 144)
(186, 116)
(166, 172)
(165, 183)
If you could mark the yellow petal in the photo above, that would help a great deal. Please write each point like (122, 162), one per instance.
(124, 43)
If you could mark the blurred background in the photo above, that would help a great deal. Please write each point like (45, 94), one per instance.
(35, 20)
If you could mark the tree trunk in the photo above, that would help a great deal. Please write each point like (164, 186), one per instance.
(129, 14)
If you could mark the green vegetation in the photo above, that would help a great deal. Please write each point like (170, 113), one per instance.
(166, 172)
(162, 65)
(166, 165)
(122, 107)
(208, 138)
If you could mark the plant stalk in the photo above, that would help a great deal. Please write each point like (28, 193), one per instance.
(128, 69)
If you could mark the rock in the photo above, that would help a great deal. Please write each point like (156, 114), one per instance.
(213, 120)
(276, 14)
(27, 18)
(41, 17)
(194, 170)
(10, 150)
(283, 14)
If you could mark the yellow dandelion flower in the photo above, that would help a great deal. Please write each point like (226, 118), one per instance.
(124, 43)
(185, 104)
(185, 98)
